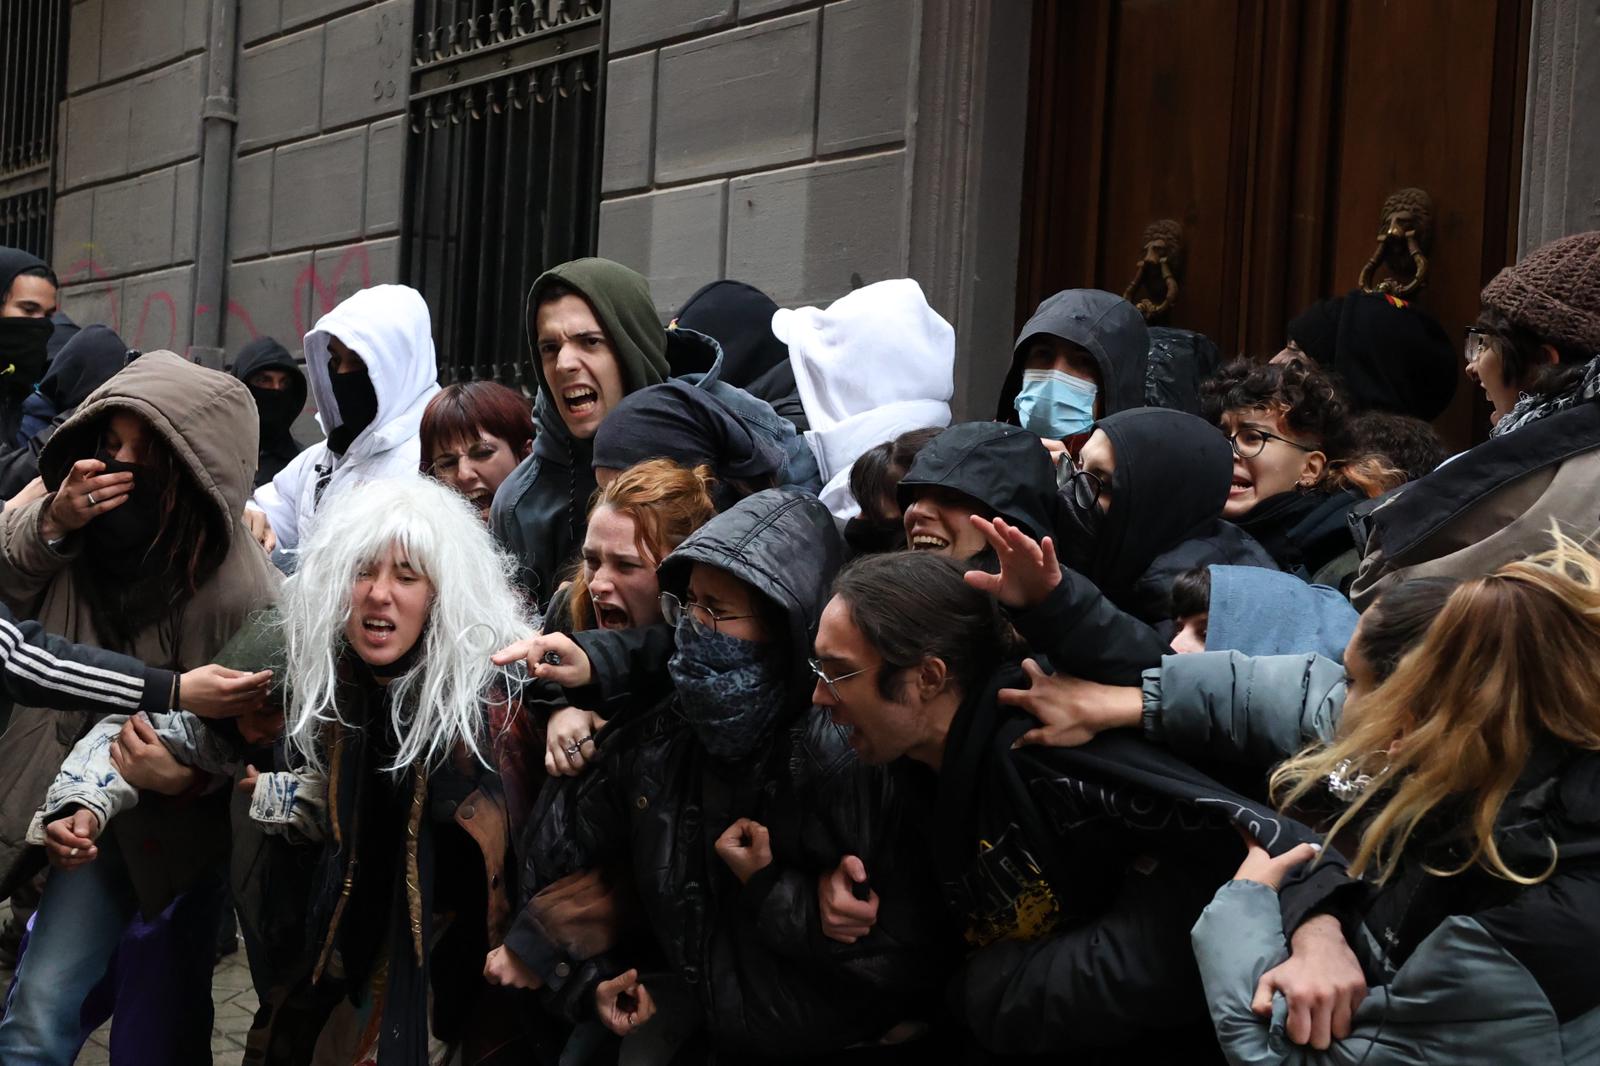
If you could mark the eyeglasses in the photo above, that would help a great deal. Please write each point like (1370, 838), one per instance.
(1247, 441)
(829, 682)
(1083, 487)
(1478, 342)
(700, 616)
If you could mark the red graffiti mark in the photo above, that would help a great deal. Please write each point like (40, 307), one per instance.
(165, 298)
(353, 261)
(328, 292)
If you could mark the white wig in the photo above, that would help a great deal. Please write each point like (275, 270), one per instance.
(438, 703)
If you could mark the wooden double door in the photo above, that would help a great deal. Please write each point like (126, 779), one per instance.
(1273, 130)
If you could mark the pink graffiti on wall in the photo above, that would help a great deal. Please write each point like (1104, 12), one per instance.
(155, 323)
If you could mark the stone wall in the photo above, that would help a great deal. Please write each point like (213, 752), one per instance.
(764, 140)
(316, 183)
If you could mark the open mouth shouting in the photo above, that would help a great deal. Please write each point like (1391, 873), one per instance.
(928, 542)
(379, 631)
(611, 616)
(580, 400)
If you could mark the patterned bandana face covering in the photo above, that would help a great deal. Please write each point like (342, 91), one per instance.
(1054, 404)
(725, 688)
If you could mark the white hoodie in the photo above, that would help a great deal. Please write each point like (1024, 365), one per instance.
(389, 328)
(874, 364)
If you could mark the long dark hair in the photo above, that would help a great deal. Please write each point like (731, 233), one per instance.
(188, 549)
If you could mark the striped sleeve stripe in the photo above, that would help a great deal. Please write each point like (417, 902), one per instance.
(75, 679)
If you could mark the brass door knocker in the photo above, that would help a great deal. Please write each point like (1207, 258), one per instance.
(1158, 269)
(1404, 241)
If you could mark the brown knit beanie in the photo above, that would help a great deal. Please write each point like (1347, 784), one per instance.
(1554, 291)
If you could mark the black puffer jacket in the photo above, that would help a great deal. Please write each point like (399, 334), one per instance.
(1179, 360)
(753, 956)
(1167, 491)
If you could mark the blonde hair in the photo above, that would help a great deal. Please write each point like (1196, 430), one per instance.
(1511, 656)
(666, 501)
(437, 706)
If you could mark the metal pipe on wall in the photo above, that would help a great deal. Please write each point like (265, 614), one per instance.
(219, 117)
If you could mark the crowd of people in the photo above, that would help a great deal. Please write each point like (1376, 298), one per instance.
(727, 701)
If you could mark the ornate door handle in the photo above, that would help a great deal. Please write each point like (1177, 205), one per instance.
(1157, 270)
(1404, 241)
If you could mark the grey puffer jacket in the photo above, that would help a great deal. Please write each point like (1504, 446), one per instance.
(1236, 708)
(1468, 968)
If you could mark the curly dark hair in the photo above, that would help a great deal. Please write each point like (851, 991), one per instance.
(1408, 444)
(1310, 400)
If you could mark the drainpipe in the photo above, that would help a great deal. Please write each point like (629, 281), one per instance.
(218, 118)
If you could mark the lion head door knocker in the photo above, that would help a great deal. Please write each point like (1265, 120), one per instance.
(1404, 241)
(1158, 269)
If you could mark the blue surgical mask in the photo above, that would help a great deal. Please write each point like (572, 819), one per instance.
(1054, 404)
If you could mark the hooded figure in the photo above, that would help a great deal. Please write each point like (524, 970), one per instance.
(1111, 330)
(24, 343)
(206, 422)
(540, 511)
(86, 362)
(278, 408)
(739, 316)
(677, 421)
(373, 429)
(1170, 481)
(1002, 469)
(872, 365)
(64, 329)
(1391, 354)
(744, 742)
(1258, 611)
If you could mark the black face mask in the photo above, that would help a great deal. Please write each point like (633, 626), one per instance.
(119, 540)
(24, 352)
(1078, 530)
(277, 408)
(358, 406)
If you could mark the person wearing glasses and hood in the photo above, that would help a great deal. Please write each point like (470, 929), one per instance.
(1081, 357)
(730, 808)
(372, 372)
(1142, 502)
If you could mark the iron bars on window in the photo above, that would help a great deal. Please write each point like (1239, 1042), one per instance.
(33, 54)
(503, 168)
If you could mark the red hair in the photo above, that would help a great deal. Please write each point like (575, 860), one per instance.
(462, 411)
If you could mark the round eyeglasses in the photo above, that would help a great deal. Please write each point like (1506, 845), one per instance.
(1247, 442)
(699, 615)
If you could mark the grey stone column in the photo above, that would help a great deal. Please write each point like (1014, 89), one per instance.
(965, 203)
(1561, 140)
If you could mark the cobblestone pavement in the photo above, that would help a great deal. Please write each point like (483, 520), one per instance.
(231, 994)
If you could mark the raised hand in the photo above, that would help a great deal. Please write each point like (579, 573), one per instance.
(1029, 571)
(1070, 710)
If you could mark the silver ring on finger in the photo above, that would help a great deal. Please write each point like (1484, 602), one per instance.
(92, 500)
(573, 749)
(584, 740)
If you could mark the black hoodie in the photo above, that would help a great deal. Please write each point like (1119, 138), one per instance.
(87, 361)
(1002, 468)
(277, 410)
(1390, 354)
(1170, 483)
(752, 956)
(1103, 323)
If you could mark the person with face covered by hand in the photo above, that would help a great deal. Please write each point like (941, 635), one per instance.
(85, 362)
(138, 548)
(1081, 357)
(372, 371)
(279, 389)
(27, 300)
(1142, 502)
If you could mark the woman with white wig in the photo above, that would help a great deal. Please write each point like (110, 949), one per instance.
(389, 622)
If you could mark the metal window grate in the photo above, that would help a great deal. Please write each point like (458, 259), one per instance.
(503, 168)
(33, 52)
